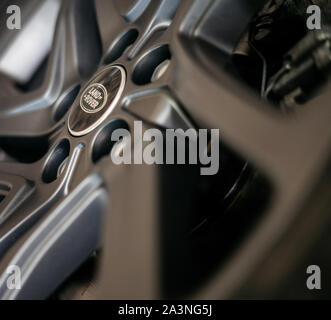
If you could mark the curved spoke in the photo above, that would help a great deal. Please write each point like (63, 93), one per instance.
(111, 23)
(13, 191)
(270, 141)
(32, 114)
(162, 13)
(156, 106)
(131, 259)
(26, 187)
(146, 252)
(81, 212)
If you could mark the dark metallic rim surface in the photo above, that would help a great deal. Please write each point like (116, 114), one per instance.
(63, 215)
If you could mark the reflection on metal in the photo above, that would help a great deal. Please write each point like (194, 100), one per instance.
(29, 47)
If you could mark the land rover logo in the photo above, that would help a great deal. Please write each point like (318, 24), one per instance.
(98, 100)
(94, 98)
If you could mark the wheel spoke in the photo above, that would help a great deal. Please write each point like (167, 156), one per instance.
(13, 191)
(157, 107)
(29, 197)
(79, 214)
(162, 13)
(111, 23)
(72, 57)
(268, 140)
(131, 264)
(146, 252)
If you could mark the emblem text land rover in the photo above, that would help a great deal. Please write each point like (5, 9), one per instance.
(94, 98)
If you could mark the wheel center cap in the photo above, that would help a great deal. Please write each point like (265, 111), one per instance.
(97, 101)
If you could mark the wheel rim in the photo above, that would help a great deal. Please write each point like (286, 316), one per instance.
(65, 188)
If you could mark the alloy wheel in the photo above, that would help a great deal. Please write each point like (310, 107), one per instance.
(167, 231)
